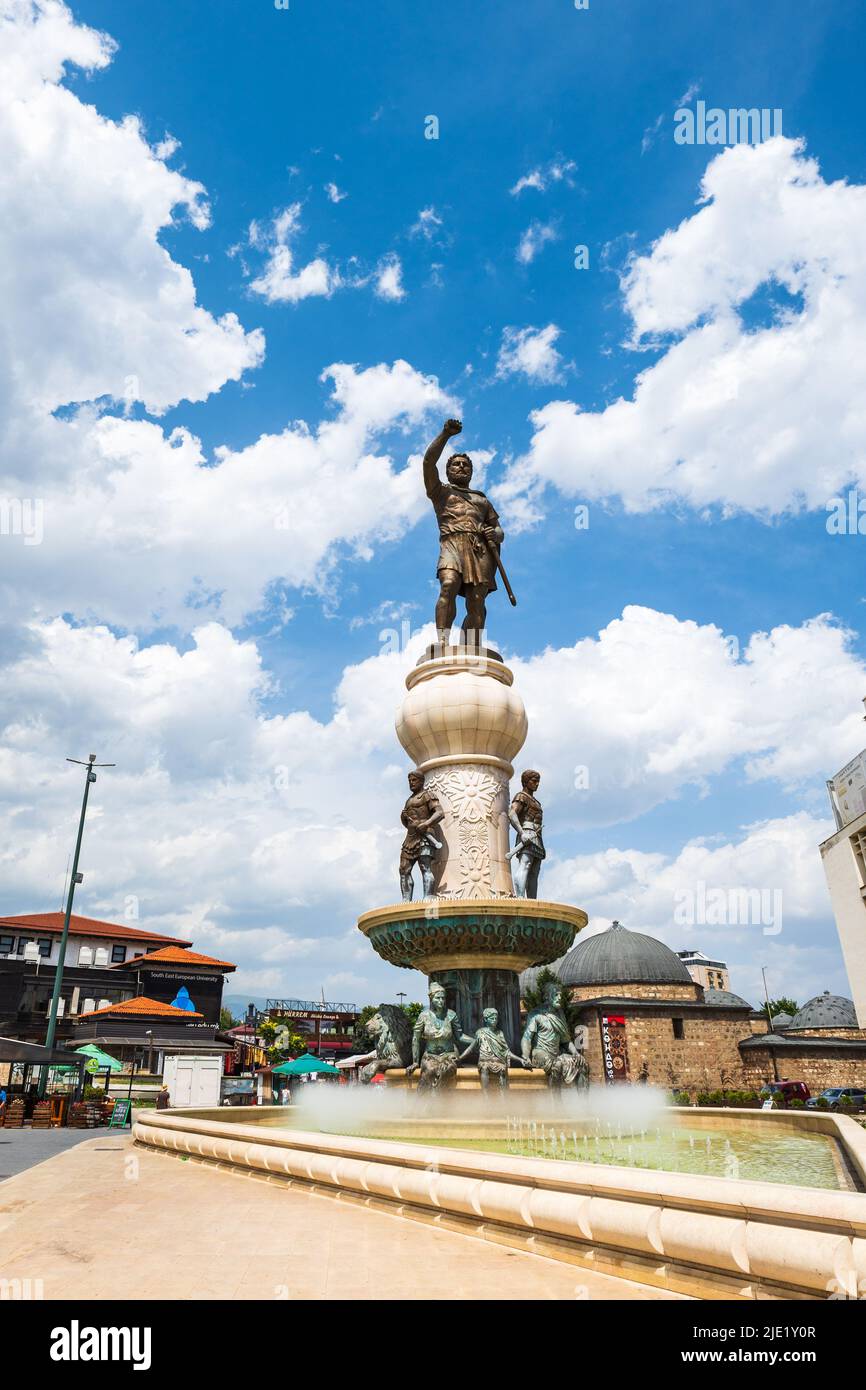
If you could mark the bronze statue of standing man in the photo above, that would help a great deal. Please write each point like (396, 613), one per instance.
(525, 815)
(421, 812)
(469, 540)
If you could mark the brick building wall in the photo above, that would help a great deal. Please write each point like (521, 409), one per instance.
(839, 1066)
(705, 1057)
(691, 992)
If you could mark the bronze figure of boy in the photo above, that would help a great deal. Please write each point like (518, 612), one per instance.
(493, 1052)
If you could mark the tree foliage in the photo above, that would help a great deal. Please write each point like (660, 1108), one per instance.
(783, 1006)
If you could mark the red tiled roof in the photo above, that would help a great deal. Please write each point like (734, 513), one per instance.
(176, 955)
(140, 1007)
(86, 926)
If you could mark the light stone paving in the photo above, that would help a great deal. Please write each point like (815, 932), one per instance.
(109, 1220)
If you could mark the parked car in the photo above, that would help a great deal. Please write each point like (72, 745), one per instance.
(783, 1092)
(833, 1096)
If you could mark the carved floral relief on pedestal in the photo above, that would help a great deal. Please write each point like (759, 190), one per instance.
(475, 801)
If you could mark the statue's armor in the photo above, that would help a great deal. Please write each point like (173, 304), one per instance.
(460, 511)
(527, 809)
(419, 807)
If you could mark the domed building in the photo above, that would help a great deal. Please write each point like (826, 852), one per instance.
(645, 1018)
(824, 1013)
(723, 997)
(781, 1022)
(820, 1045)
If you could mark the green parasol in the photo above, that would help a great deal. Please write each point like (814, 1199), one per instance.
(300, 1065)
(99, 1060)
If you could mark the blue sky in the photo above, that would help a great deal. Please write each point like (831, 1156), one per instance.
(269, 108)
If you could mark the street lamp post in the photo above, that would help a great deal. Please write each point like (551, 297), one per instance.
(770, 1022)
(75, 878)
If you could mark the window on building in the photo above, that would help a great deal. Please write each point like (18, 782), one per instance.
(7, 945)
(22, 944)
(85, 955)
(45, 946)
(101, 955)
(679, 1028)
(118, 954)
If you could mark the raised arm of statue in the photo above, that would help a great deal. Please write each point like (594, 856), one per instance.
(432, 481)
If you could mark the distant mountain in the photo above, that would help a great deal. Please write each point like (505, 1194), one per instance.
(238, 1003)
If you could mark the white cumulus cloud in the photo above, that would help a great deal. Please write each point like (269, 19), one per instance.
(93, 304)
(534, 239)
(388, 281)
(530, 352)
(280, 282)
(762, 415)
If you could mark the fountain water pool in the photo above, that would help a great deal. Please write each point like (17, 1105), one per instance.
(739, 1150)
(803, 1160)
(624, 1128)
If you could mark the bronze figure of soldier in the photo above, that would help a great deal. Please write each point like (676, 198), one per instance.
(469, 540)
(526, 816)
(421, 812)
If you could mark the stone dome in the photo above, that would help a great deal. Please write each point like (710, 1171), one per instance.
(621, 957)
(825, 1011)
(781, 1022)
(725, 999)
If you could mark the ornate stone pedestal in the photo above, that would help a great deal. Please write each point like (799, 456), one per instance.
(462, 723)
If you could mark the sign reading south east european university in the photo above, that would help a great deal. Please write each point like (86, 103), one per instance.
(205, 991)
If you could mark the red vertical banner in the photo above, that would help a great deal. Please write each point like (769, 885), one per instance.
(614, 1048)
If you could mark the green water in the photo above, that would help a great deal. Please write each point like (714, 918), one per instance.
(801, 1160)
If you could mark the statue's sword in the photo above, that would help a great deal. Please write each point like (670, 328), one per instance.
(504, 577)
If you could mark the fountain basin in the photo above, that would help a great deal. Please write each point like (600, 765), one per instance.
(708, 1236)
(472, 933)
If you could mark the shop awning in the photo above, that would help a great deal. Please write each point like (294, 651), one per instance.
(15, 1050)
(164, 1044)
